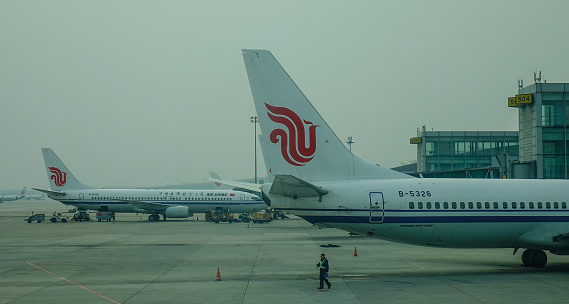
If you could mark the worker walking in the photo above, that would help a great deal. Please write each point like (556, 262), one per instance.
(323, 266)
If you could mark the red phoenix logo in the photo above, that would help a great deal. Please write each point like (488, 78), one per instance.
(293, 141)
(59, 178)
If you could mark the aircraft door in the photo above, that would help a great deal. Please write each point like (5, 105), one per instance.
(376, 208)
(81, 198)
(242, 199)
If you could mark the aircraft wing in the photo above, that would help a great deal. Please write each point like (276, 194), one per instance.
(248, 186)
(147, 206)
(50, 192)
(290, 186)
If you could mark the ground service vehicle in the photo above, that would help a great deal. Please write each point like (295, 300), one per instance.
(81, 216)
(261, 217)
(220, 215)
(40, 217)
(105, 216)
(59, 218)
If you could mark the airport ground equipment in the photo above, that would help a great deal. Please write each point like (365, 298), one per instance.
(81, 216)
(261, 217)
(105, 216)
(244, 217)
(59, 218)
(40, 217)
(220, 215)
(277, 214)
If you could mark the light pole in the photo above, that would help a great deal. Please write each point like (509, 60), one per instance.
(350, 142)
(255, 120)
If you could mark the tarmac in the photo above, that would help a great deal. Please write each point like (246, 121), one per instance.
(136, 261)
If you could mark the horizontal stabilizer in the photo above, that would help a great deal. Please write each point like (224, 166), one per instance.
(50, 192)
(290, 186)
(248, 186)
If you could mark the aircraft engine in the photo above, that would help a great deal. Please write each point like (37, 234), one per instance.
(177, 212)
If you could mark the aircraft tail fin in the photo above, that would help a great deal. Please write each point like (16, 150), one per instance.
(218, 185)
(60, 178)
(297, 140)
(23, 192)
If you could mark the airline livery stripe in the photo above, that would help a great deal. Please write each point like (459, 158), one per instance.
(436, 219)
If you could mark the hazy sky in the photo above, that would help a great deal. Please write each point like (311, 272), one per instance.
(144, 93)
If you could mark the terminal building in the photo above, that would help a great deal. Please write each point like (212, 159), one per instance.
(540, 149)
(544, 118)
(477, 154)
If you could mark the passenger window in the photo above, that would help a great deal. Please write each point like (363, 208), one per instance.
(556, 205)
(539, 205)
(487, 205)
(437, 205)
(420, 205)
(478, 205)
(505, 205)
(514, 205)
(470, 205)
(495, 205)
(429, 205)
(462, 206)
(453, 205)
(411, 205)
(522, 205)
(548, 205)
(445, 205)
(531, 205)
(563, 205)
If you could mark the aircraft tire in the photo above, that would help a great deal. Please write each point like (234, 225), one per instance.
(525, 257)
(538, 258)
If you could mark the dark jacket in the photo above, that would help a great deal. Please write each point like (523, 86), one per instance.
(324, 264)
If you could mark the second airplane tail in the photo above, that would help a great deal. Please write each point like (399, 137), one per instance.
(60, 178)
(296, 139)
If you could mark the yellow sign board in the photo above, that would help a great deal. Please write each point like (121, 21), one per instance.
(520, 100)
(415, 140)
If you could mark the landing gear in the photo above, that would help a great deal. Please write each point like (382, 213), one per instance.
(154, 217)
(534, 258)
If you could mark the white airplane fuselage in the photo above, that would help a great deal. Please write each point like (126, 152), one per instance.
(197, 201)
(457, 213)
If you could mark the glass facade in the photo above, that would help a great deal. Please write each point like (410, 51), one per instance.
(554, 118)
(544, 125)
(454, 150)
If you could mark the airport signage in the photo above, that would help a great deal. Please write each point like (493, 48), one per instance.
(520, 100)
(415, 140)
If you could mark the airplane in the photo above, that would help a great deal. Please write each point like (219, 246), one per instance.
(8, 198)
(317, 178)
(170, 203)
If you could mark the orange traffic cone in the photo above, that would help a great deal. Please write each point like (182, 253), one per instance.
(218, 277)
(355, 251)
(247, 225)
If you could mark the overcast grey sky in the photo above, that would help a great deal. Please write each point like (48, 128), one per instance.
(155, 92)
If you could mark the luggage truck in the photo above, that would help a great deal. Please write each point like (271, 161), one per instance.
(261, 217)
(220, 214)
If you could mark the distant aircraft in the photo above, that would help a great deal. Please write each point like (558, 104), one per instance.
(8, 198)
(318, 179)
(170, 203)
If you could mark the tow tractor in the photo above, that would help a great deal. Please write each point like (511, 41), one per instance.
(59, 218)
